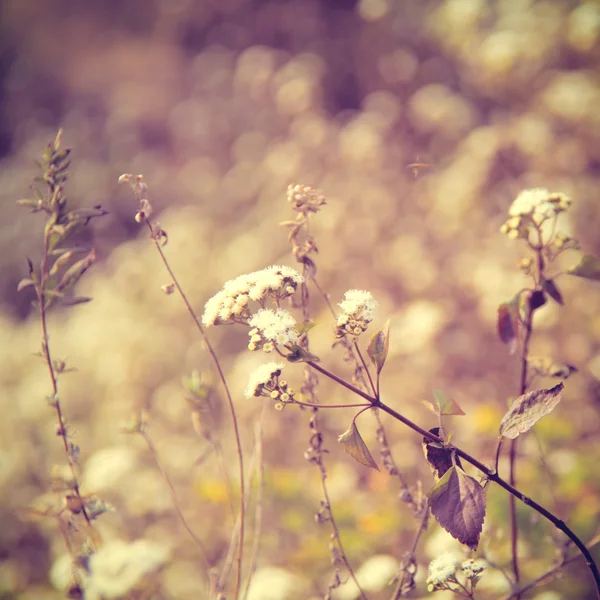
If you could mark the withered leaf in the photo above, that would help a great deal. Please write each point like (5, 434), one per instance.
(457, 501)
(528, 409)
(356, 447)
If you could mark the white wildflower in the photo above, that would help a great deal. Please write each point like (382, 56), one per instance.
(261, 376)
(231, 303)
(539, 204)
(118, 567)
(270, 327)
(442, 568)
(359, 310)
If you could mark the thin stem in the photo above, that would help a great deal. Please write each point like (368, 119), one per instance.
(62, 427)
(514, 529)
(342, 382)
(174, 498)
(229, 400)
(406, 583)
(374, 389)
(258, 515)
(310, 405)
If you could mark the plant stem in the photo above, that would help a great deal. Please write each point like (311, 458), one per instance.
(62, 427)
(229, 400)
(174, 499)
(491, 474)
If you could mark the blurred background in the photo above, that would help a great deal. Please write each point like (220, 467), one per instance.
(221, 104)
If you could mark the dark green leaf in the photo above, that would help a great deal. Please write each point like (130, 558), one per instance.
(528, 409)
(552, 290)
(299, 354)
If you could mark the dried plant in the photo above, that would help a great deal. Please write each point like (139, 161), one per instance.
(61, 267)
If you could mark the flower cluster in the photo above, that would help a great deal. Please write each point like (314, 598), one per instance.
(305, 199)
(533, 207)
(265, 381)
(271, 328)
(443, 571)
(359, 310)
(231, 303)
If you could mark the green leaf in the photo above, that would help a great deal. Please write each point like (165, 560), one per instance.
(299, 354)
(302, 328)
(379, 346)
(457, 501)
(552, 290)
(446, 405)
(588, 268)
(356, 448)
(528, 409)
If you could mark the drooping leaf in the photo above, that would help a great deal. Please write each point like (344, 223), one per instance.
(438, 456)
(299, 354)
(446, 405)
(528, 409)
(356, 447)
(552, 290)
(508, 320)
(588, 268)
(379, 346)
(457, 501)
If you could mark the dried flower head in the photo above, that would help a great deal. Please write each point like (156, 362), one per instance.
(231, 303)
(359, 310)
(305, 199)
(271, 328)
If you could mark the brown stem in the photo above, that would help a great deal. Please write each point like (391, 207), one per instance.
(174, 499)
(229, 400)
(62, 427)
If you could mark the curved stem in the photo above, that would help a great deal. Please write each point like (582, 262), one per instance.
(229, 401)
